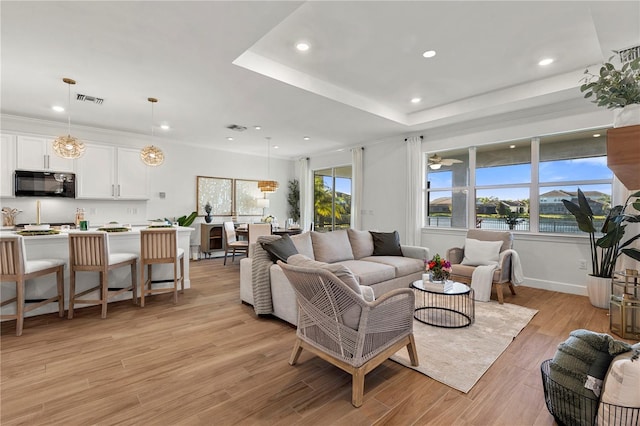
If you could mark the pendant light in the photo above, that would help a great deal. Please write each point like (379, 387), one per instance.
(268, 185)
(152, 155)
(68, 146)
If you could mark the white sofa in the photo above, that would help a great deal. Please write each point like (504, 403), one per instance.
(351, 248)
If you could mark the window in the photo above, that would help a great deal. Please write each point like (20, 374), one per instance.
(569, 162)
(508, 183)
(332, 198)
(503, 177)
(446, 189)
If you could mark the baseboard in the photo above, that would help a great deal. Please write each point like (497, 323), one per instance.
(561, 287)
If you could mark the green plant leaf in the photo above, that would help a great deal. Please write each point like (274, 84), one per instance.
(632, 253)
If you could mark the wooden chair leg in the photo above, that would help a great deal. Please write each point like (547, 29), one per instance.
(72, 293)
(182, 274)
(134, 282)
(143, 284)
(413, 353)
(512, 288)
(175, 283)
(104, 290)
(19, 307)
(295, 354)
(357, 387)
(226, 253)
(60, 282)
(500, 294)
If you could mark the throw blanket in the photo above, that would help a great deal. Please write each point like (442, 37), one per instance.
(260, 277)
(483, 275)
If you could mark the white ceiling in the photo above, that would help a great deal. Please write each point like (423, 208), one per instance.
(216, 63)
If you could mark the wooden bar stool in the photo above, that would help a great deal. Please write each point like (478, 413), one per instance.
(89, 251)
(15, 267)
(159, 246)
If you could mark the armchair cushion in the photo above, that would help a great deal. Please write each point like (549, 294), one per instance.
(280, 249)
(339, 270)
(386, 243)
(478, 252)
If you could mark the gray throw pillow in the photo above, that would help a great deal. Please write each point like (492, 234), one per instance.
(280, 249)
(386, 243)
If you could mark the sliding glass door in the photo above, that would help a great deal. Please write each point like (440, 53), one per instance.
(332, 198)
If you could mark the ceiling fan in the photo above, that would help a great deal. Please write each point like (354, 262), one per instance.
(435, 161)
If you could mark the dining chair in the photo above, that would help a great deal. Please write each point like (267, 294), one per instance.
(89, 252)
(232, 244)
(14, 267)
(160, 246)
(257, 230)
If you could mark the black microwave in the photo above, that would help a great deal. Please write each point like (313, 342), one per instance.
(45, 184)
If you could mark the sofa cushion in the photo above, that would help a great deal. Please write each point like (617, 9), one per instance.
(478, 252)
(361, 243)
(369, 273)
(386, 243)
(280, 249)
(332, 246)
(467, 271)
(303, 244)
(404, 265)
(336, 269)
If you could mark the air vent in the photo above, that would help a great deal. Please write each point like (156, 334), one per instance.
(236, 127)
(629, 54)
(87, 98)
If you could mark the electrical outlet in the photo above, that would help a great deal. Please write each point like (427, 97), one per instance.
(582, 264)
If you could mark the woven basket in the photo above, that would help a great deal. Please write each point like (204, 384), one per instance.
(572, 409)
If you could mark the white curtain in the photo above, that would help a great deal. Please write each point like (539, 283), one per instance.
(306, 194)
(414, 191)
(356, 187)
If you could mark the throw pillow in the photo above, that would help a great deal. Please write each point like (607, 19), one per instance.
(478, 252)
(386, 243)
(303, 244)
(280, 249)
(331, 246)
(621, 388)
(337, 269)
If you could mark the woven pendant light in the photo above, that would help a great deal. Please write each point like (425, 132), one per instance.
(152, 155)
(68, 146)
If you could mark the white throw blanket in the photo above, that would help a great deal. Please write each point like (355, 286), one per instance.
(483, 275)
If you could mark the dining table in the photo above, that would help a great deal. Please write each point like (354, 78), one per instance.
(244, 232)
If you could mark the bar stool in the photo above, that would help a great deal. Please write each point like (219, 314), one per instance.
(89, 251)
(159, 246)
(14, 267)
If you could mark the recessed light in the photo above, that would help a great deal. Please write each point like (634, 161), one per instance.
(306, 138)
(303, 46)
(165, 127)
(257, 127)
(416, 100)
(276, 147)
(546, 61)
(429, 54)
(57, 108)
(596, 135)
(229, 138)
(512, 146)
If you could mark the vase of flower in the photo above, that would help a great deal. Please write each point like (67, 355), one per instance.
(439, 268)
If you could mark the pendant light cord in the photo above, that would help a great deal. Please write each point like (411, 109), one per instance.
(69, 109)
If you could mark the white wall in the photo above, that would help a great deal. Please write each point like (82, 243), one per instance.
(176, 177)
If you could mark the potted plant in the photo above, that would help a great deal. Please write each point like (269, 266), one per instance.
(606, 249)
(293, 199)
(616, 88)
(207, 209)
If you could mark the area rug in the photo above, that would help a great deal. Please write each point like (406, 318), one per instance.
(459, 357)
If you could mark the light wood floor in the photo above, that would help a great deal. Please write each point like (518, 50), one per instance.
(210, 361)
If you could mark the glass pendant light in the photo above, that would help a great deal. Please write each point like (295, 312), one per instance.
(68, 146)
(150, 154)
(267, 186)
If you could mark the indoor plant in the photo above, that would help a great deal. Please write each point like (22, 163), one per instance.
(606, 249)
(440, 268)
(615, 88)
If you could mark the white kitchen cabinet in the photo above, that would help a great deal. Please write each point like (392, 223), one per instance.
(107, 172)
(7, 164)
(36, 153)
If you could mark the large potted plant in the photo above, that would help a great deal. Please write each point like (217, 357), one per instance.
(616, 89)
(606, 249)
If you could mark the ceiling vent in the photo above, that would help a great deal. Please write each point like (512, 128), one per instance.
(630, 54)
(87, 98)
(236, 127)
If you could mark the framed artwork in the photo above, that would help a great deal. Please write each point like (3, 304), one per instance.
(246, 195)
(216, 191)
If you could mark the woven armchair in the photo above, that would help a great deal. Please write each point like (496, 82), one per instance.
(338, 325)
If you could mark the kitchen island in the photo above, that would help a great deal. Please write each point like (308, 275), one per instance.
(57, 246)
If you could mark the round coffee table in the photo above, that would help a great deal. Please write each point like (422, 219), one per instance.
(449, 305)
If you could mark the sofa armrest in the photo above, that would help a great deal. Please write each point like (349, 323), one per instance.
(455, 255)
(415, 252)
(505, 267)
